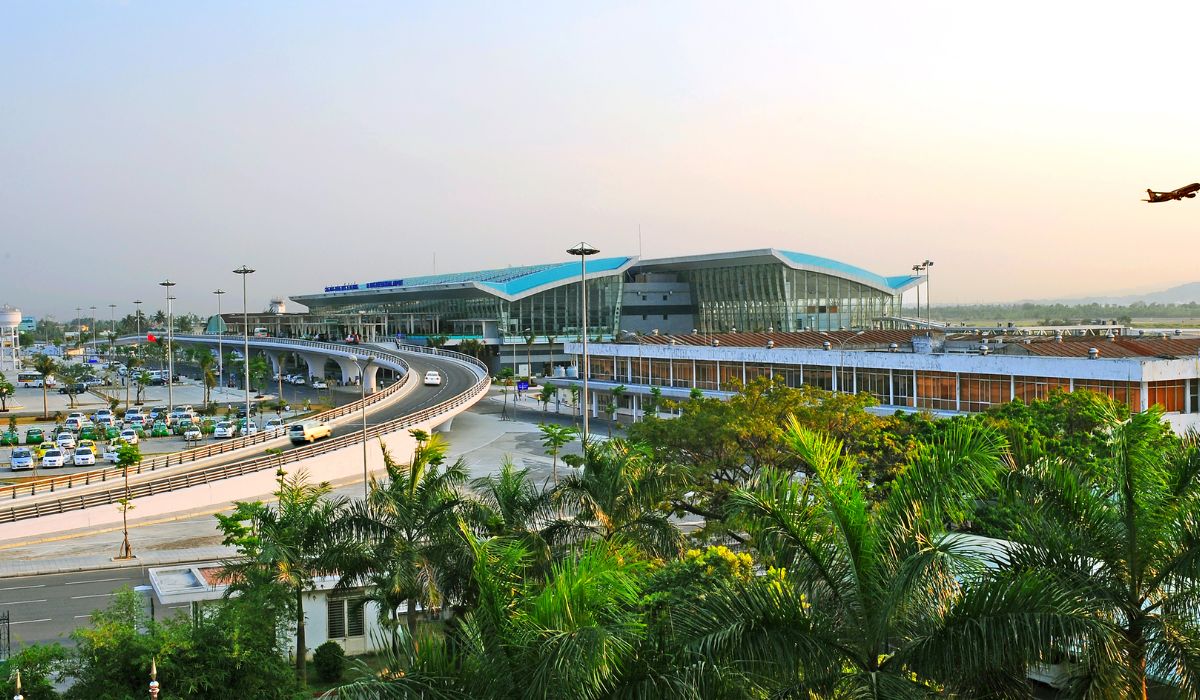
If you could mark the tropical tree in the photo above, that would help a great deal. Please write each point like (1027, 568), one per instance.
(397, 540)
(570, 635)
(509, 504)
(473, 347)
(548, 393)
(127, 456)
(208, 376)
(865, 601)
(281, 550)
(554, 438)
(1119, 529)
(619, 495)
(47, 366)
(6, 392)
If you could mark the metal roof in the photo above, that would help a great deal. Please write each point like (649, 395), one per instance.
(799, 261)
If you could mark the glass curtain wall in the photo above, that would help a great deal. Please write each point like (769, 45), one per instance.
(775, 296)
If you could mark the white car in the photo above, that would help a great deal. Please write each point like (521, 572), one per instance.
(110, 453)
(65, 441)
(274, 425)
(225, 429)
(298, 380)
(52, 458)
(84, 457)
(251, 429)
(130, 436)
(192, 434)
(21, 458)
(432, 378)
(319, 385)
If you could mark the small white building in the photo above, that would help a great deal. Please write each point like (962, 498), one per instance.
(342, 616)
(10, 339)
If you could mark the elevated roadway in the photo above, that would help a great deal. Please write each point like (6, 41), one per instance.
(464, 382)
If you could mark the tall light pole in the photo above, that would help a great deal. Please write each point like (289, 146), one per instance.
(166, 285)
(78, 326)
(583, 250)
(917, 270)
(363, 363)
(245, 272)
(928, 313)
(112, 317)
(220, 354)
(94, 348)
(137, 315)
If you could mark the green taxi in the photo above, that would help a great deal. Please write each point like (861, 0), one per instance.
(159, 429)
(10, 437)
(34, 436)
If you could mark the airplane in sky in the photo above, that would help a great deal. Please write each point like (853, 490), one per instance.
(1188, 191)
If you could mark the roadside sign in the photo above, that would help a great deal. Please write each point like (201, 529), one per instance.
(522, 386)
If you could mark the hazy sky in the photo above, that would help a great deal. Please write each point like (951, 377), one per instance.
(350, 141)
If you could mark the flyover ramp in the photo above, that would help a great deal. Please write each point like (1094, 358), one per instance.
(212, 485)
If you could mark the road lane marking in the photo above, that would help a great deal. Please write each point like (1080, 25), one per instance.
(23, 602)
(26, 622)
(99, 580)
(21, 588)
(81, 616)
(94, 595)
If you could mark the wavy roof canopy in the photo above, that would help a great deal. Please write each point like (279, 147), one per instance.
(799, 261)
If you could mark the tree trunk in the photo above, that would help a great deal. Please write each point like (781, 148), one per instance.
(1137, 658)
(301, 650)
(412, 617)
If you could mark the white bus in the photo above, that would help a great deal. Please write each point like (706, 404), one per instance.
(33, 378)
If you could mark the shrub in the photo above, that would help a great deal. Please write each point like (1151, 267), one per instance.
(330, 662)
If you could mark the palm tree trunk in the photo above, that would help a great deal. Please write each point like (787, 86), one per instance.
(412, 617)
(45, 401)
(301, 650)
(1137, 658)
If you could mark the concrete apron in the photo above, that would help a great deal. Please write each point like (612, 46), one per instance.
(339, 465)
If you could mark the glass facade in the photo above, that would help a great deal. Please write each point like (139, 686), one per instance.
(775, 296)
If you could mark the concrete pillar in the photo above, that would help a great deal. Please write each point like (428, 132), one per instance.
(316, 364)
(369, 378)
(276, 358)
(349, 369)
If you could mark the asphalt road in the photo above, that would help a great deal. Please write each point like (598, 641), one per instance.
(47, 608)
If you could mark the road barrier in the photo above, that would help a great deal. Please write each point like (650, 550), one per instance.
(151, 464)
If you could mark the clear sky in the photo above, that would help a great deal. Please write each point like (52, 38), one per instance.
(350, 141)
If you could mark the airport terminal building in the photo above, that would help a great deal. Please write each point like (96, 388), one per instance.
(523, 315)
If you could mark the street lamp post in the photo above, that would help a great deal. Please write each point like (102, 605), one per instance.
(583, 250)
(529, 352)
(363, 363)
(917, 269)
(166, 285)
(245, 272)
(94, 348)
(928, 313)
(112, 318)
(220, 353)
(78, 326)
(137, 315)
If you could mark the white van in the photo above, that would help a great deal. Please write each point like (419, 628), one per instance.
(308, 431)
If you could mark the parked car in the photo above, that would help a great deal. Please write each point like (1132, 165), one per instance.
(130, 436)
(72, 423)
(320, 384)
(34, 436)
(183, 425)
(74, 388)
(39, 451)
(243, 429)
(88, 432)
(112, 432)
(159, 429)
(10, 437)
(21, 458)
(84, 457)
(193, 434)
(86, 443)
(53, 458)
(65, 441)
(225, 429)
(273, 425)
(102, 414)
(433, 378)
(110, 453)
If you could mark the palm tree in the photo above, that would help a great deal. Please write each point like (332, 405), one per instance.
(865, 601)
(6, 392)
(509, 504)
(399, 543)
(283, 548)
(47, 366)
(1125, 538)
(207, 364)
(619, 495)
(554, 438)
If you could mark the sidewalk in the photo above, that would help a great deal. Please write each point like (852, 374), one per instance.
(479, 436)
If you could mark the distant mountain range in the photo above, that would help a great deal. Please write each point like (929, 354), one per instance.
(1181, 294)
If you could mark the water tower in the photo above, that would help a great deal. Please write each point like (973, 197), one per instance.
(10, 339)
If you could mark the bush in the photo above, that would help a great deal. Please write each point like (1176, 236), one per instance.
(330, 662)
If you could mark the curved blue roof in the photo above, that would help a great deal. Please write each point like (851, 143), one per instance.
(509, 281)
(897, 282)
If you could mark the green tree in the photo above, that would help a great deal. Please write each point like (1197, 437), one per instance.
(554, 438)
(127, 456)
(473, 347)
(548, 393)
(47, 366)
(6, 392)
(509, 504)
(1118, 528)
(397, 541)
(877, 601)
(283, 549)
(619, 495)
(39, 666)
